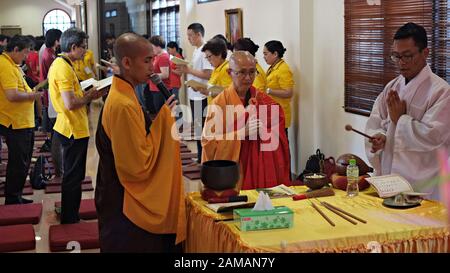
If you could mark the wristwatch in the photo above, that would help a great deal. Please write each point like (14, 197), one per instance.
(268, 90)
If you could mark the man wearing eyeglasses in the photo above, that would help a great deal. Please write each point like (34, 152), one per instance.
(410, 120)
(255, 137)
(71, 127)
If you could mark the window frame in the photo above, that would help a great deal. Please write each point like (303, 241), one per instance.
(55, 9)
(364, 79)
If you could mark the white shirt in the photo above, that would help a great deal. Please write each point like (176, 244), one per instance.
(51, 110)
(41, 51)
(199, 62)
(411, 148)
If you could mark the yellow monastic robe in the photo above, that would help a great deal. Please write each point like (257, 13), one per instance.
(148, 164)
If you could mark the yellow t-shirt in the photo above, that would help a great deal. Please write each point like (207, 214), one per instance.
(279, 77)
(62, 78)
(85, 68)
(220, 77)
(260, 79)
(18, 114)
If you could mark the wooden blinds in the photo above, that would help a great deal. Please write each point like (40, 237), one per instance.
(369, 32)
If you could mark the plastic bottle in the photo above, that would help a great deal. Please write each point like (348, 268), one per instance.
(352, 178)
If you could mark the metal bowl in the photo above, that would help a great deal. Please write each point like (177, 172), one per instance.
(315, 181)
(219, 174)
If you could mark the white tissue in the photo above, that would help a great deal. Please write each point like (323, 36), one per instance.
(263, 202)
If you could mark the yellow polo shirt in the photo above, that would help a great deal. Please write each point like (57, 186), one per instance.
(279, 77)
(62, 78)
(260, 80)
(220, 77)
(85, 68)
(18, 114)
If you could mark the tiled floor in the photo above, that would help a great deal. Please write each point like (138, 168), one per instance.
(49, 216)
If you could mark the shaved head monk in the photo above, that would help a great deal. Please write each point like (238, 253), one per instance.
(255, 138)
(139, 194)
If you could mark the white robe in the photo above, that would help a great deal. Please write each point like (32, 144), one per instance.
(411, 145)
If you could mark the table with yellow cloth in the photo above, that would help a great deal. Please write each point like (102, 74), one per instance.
(421, 229)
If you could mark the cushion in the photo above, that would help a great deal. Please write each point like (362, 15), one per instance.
(87, 209)
(86, 233)
(192, 176)
(186, 161)
(57, 188)
(20, 214)
(27, 190)
(17, 238)
(192, 169)
(58, 181)
(185, 150)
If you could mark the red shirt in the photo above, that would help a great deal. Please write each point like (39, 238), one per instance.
(48, 56)
(175, 80)
(162, 60)
(32, 62)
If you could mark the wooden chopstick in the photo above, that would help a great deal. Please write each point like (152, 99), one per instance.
(339, 213)
(323, 214)
(348, 213)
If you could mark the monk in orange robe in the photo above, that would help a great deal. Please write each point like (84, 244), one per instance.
(247, 126)
(139, 194)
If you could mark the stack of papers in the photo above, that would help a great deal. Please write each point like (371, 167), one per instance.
(178, 61)
(224, 207)
(98, 84)
(390, 185)
(196, 85)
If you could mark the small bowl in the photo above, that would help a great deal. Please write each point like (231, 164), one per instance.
(315, 181)
(219, 174)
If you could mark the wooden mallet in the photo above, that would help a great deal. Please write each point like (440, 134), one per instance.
(348, 127)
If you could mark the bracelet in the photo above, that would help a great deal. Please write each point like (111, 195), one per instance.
(268, 91)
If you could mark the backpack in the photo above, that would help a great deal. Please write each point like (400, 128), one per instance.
(40, 175)
(318, 164)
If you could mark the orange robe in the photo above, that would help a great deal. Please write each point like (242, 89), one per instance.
(259, 168)
(141, 167)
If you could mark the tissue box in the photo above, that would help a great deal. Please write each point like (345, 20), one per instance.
(279, 217)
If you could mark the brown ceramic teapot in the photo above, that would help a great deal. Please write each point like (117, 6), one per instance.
(342, 163)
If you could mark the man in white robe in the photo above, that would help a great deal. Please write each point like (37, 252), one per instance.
(410, 120)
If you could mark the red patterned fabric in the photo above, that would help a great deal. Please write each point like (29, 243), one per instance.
(263, 169)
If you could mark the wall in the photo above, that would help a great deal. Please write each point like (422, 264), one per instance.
(328, 88)
(28, 14)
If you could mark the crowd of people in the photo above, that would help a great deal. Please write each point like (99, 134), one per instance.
(139, 191)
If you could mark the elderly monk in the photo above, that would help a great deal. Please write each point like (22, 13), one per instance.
(139, 194)
(247, 126)
(410, 120)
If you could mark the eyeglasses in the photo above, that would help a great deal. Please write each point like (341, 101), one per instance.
(406, 58)
(243, 73)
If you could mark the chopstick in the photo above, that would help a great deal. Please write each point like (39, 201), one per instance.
(323, 214)
(338, 213)
(348, 213)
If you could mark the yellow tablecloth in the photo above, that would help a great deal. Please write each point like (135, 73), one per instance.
(420, 229)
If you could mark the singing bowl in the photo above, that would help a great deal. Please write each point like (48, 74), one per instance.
(219, 174)
(315, 181)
